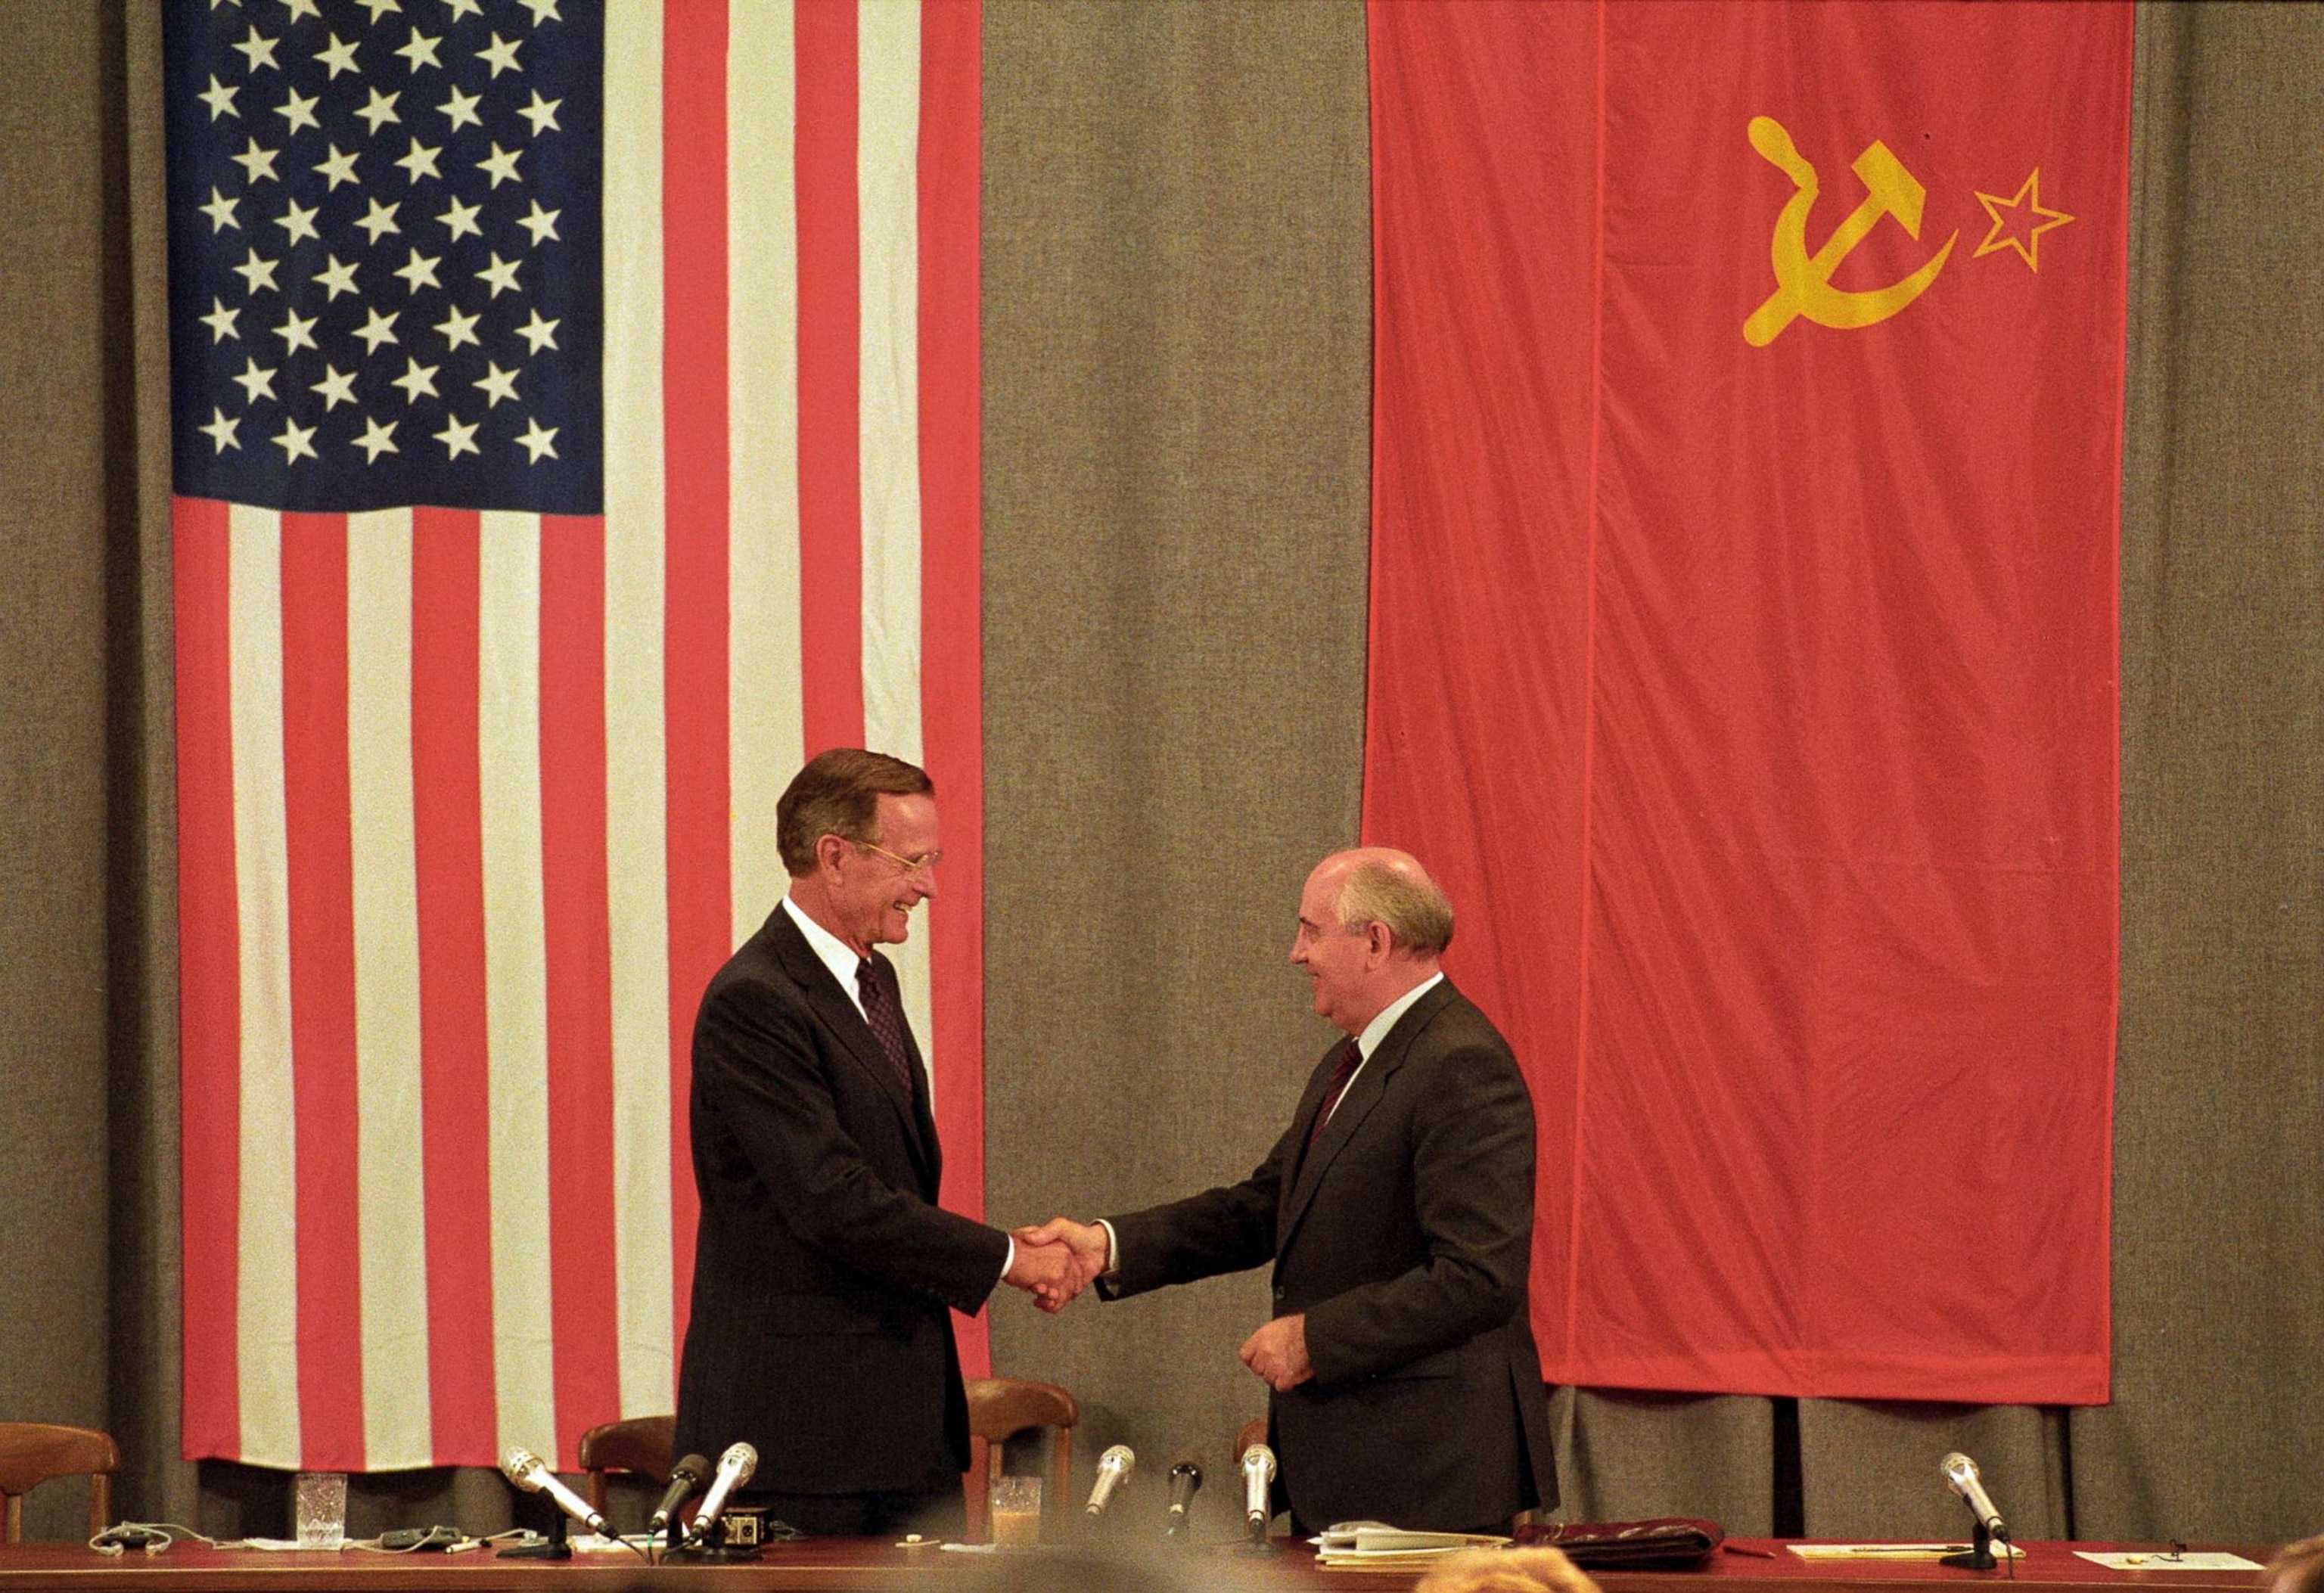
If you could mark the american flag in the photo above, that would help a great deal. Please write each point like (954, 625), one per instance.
(575, 426)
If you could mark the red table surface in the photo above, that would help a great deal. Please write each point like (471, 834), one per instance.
(833, 1565)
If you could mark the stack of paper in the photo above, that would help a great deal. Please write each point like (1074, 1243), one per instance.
(1372, 1545)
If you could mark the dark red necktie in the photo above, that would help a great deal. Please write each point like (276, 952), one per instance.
(883, 1009)
(1352, 1058)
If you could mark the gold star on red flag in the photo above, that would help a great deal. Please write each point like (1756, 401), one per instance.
(2026, 206)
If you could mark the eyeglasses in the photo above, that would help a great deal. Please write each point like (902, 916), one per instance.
(925, 863)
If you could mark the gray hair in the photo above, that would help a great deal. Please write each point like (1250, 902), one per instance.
(1398, 893)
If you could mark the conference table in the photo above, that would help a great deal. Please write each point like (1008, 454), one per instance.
(832, 1565)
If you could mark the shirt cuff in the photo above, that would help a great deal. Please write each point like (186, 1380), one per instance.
(1009, 1262)
(1112, 1247)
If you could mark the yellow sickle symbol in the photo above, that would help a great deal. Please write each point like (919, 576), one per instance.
(1804, 283)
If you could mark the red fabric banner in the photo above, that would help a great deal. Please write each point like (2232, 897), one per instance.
(1748, 419)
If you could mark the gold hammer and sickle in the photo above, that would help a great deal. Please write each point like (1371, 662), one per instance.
(1803, 280)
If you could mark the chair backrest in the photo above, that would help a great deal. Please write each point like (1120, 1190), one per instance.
(999, 1409)
(32, 1452)
(640, 1444)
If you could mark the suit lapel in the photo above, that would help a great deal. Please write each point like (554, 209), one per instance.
(831, 1004)
(1365, 1091)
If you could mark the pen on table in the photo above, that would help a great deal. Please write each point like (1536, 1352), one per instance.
(1755, 1554)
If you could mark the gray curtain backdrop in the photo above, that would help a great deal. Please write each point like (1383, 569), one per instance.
(1176, 464)
(1177, 368)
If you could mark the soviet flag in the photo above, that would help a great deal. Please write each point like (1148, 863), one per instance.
(1748, 438)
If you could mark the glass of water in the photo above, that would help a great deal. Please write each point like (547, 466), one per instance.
(318, 1505)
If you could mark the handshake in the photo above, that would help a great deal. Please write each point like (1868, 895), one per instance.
(1057, 1260)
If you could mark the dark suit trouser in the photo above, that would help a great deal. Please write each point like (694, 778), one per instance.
(935, 1511)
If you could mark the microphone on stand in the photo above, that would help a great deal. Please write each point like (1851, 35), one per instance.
(1962, 1476)
(1113, 1469)
(1186, 1482)
(1258, 1471)
(684, 1478)
(734, 1468)
(524, 1468)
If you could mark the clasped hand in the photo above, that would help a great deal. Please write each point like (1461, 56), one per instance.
(1057, 1260)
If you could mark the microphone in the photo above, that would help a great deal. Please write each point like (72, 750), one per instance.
(684, 1478)
(734, 1468)
(1258, 1471)
(524, 1468)
(1961, 1475)
(1186, 1482)
(1113, 1469)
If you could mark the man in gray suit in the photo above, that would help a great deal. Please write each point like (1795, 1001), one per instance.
(1397, 1212)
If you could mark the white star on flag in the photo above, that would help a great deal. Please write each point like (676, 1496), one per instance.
(336, 387)
(298, 110)
(456, 437)
(376, 439)
(417, 381)
(378, 329)
(295, 441)
(537, 441)
(380, 110)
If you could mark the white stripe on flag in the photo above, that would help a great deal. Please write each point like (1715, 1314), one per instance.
(886, 180)
(516, 978)
(636, 806)
(266, 1298)
(766, 739)
(391, 1182)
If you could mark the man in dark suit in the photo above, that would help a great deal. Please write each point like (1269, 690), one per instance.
(823, 1268)
(1397, 1210)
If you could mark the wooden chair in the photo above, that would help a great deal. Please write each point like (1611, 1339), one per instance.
(32, 1452)
(999, 1409)
(640, 1444)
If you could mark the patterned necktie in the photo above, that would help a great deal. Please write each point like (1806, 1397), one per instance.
(883, 1009)
(1352, 1058)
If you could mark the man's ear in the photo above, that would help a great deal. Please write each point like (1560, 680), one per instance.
(828, 848)
(1379, 941)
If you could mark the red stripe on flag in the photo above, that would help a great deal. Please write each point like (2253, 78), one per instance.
(951, 658)
(695, 550)
(320, 851)
(209, 955)
(578, 963)
(830, 335)
(456, 1096)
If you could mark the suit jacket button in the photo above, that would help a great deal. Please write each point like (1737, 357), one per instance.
(1278, 1291)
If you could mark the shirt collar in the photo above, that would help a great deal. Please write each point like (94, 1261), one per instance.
(1376, 1030)
(830, 950)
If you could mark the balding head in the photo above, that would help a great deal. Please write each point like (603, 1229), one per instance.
(1380, 885)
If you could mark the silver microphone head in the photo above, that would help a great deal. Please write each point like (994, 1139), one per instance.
(1258, 1457)
(1120, 1458)
(743, 1459)
(522, 1467)
(1958, 1468)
